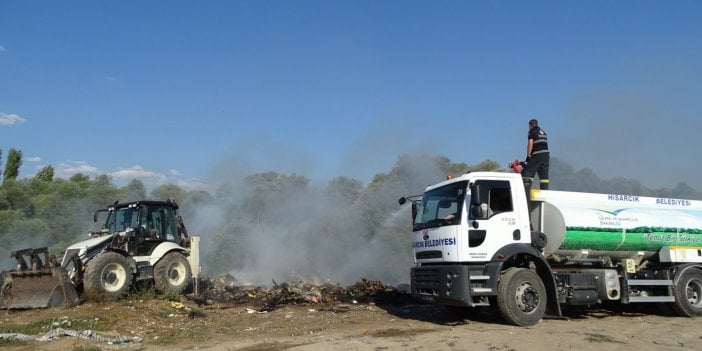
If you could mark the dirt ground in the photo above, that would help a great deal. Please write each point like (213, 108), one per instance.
(160, 324)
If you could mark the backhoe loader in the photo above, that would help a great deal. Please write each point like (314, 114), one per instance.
(139, 241)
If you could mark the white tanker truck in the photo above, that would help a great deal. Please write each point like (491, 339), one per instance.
(478, 241)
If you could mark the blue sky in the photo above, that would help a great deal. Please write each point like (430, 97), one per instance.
(188, 92)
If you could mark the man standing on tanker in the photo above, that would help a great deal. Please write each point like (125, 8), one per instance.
(537, 159)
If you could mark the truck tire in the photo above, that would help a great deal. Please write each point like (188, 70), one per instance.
(688, 294)
(521, 297)
(172, 273)
(107, 277)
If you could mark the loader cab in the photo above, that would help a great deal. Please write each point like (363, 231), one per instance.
(145, 223)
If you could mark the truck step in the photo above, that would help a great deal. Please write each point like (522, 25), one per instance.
(651, 299)
(477, 290)
(649, 282)
(480, 290)
(479, 277)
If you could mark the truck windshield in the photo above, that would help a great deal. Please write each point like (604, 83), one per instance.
(441, 206)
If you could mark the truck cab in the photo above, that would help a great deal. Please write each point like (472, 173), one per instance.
(483, 205)
(466, 231)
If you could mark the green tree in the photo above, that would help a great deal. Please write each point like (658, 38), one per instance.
(264, 189)
(168, 191)
(344, 189)
(133, 191)
(79, 178)
(16, 196)
(684, 191)
(45, 174)
(14, 162)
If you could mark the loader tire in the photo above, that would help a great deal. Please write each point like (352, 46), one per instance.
(688, 294)
(108, 277)
(172, 274)
(521, 297)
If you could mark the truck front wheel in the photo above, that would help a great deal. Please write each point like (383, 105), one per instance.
(107, 277)
(688, 294)
(521, 297)
(172, 273)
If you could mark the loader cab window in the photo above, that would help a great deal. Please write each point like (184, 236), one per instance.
(159, 224)
(494, 197)
(441, 207)
(121, 219)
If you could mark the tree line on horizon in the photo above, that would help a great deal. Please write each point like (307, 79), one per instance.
(243, 220)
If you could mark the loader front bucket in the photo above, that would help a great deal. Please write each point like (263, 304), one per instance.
(36, 287)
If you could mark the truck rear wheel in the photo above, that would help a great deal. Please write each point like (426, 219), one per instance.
(107, 277)
(172, 273)
(521, 297)
(688, 293)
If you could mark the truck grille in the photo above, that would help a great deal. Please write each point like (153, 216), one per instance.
(447, 284)
(426, 281)
(424, 255)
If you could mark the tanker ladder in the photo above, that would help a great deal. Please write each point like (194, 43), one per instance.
(653, 286)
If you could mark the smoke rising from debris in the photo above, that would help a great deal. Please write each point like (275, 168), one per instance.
(269, 227)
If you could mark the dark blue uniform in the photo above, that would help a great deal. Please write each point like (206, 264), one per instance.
(539, 161)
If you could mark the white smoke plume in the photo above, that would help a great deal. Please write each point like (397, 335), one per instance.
(339, 231)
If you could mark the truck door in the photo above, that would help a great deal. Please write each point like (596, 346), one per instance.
(493, 222)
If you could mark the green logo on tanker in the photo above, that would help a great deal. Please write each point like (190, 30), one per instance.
(613, 213)
(612, 218)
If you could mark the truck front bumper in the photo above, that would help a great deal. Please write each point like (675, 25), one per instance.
(457, 285)
(446, 285)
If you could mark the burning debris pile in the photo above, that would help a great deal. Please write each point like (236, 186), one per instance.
(227, 290)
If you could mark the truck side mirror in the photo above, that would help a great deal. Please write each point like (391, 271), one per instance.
(403, 200)
(475, 211)
(480, 211)
(475, 201)
(474, 194)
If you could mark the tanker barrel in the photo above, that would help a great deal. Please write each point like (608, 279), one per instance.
(546, 218)
(615, 226)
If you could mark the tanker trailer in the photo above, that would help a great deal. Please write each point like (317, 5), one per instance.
(479, 241)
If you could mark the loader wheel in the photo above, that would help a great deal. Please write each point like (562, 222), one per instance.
(172, 273)
(107, 277)
(688, 294)
(521, 297)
